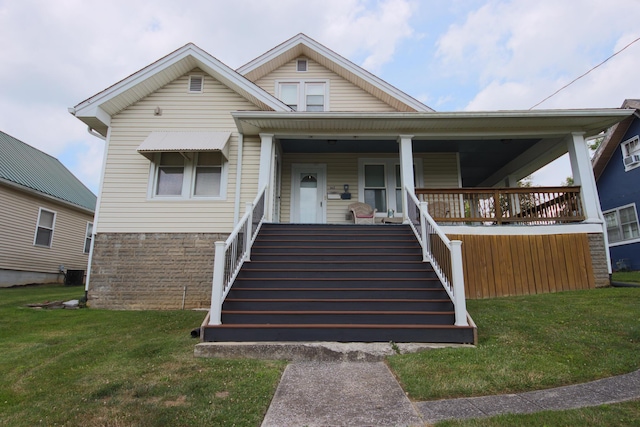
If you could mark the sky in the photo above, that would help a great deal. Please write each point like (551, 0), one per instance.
(453, 55)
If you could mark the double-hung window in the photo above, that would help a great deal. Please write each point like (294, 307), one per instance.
(44, 229)
(87, 237)
(380, 183)
(304, 95)
(188, 175)
(375, 187)
(631, 153)
(622, 224)
(170, 174)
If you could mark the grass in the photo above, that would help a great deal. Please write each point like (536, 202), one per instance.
(626, 276)
(625, 414)
(118, 368)
(136, 368)
(532, 342)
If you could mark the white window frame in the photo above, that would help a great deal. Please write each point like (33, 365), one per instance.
(188, 180)
(201, 77)
(390, 178)
(630, 147)
(38, 226)
(302, 91)
(617, 212)
(88, 235)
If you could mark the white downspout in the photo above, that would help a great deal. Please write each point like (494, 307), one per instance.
(236, 212)
(96, 214)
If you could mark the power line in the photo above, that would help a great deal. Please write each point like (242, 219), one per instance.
(579, 77)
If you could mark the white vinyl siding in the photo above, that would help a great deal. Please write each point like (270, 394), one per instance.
(125, 206)
(18, 252)
(438, 170)
(343, 95)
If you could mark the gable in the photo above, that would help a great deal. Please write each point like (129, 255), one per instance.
(97, 111)
(303, 46)
(617, 133)
(343, 95)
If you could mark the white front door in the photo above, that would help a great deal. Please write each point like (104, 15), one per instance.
(307, 194)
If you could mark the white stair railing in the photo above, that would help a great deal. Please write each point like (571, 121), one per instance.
(232, 253)
(444, 255)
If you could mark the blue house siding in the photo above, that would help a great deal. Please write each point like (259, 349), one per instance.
(618, 188)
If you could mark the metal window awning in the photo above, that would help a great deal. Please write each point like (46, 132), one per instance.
(183, 142)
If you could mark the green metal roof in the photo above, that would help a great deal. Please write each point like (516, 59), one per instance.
(29, 167)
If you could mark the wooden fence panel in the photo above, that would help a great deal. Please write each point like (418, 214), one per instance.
(497, 266)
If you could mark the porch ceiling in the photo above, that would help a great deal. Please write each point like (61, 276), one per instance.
(432, 125)
(479, 159)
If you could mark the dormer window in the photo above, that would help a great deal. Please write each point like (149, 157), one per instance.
(196, 82)
(301, 65)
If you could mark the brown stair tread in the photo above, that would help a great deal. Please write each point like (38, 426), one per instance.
(336, 312)
(336, 300)
(333, 326)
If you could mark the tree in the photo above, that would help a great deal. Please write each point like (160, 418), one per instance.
(569, 182)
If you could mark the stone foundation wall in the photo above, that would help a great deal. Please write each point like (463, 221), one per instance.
(138, 271)
(599, 260)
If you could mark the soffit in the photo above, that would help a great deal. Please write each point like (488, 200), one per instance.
(470, 125)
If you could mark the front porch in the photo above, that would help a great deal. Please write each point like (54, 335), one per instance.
(445, 179)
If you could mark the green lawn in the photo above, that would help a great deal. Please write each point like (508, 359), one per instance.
(532, 342)
(94, 367)
(118, 368)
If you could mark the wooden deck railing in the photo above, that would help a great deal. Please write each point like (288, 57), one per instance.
(488, 206)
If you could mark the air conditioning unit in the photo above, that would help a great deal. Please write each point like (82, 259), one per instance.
(631, 160)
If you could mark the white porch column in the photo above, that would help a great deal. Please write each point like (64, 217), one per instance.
(583, 176)
(406, 169)
(266, 171)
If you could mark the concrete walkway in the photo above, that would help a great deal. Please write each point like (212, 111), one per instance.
(367, 394)
(348, 384)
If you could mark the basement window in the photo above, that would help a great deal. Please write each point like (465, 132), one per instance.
(196, 83)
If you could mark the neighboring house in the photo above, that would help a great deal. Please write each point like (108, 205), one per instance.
(616, 166)
(46, 217)
(302, 133)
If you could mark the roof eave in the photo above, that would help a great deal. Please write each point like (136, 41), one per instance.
(28, 190)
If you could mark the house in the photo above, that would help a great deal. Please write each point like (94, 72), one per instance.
(218, 172)
(46, 217)
(616, 166)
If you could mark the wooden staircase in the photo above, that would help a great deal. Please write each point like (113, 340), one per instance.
(349, 283)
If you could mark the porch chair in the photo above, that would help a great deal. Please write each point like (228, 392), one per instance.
(439, 210)
(363, 213)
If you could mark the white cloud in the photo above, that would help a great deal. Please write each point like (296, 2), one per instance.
(56, 54)
(519, 52)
